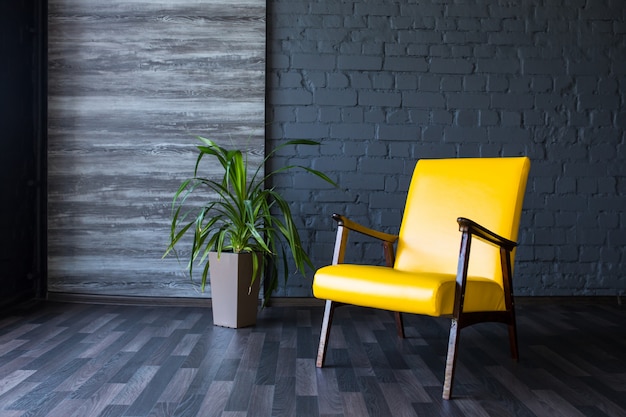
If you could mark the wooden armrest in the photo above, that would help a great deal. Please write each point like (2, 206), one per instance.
(467, 225)
(349, 224)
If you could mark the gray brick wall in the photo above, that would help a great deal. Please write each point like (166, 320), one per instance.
(385, 83)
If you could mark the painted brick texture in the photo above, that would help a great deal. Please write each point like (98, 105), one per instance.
(384, 83)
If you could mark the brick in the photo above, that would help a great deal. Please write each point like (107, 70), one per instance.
(533, 118)
(508, 134)
(279, 61)
(445, 117)
(419, 36)
(608, 86)
(430, 82)
(488, 118)
(406, 82)
(354, 22)
(544, 66)
(313, 61)
(468, 24)
(376, 9)
(333, 21)
(509, 38)
(497, 84)
(352, 48)
(330, 8)
(292, 97)
(382, 81)
(544, 220)
(465, 134)
(405, 64)
(358, 62)
(468, 100)
(509, 118)
(491, 24)
(290, 80)
(305, 181)
(352, 115)
(598, 101)
(379, 166)
(338, 80)
(306, 131)
(352, 131)
(375, 98)
(419, 116)
(363, 181)
(378, 200)
(511, 101)
(399, 149)
(376, 149)
(462, 51)
(283, 114)
(394, 49)
(601, 118)
(452, 83)
(398, 117)
(596, 67)
(451, 66)
(423, 100)
(335, 165)
(339, 97)
(467, 118)
(498, 66)
(441, 51)
(474, 83)
(462, 10)
(306, 114)
(374, 48)
(375, 115)
(329, 114)
(417, 50)
(399, 132)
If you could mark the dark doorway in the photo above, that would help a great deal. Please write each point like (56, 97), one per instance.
(22, 150)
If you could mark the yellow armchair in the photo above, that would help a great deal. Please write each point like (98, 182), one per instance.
(427, 273)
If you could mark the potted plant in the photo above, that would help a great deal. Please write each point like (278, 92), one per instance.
(245, 226)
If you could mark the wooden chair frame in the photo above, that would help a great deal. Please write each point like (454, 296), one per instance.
(459, 319)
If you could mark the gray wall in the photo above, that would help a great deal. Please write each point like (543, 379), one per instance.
(22, 145)
(384, 83)
(130, 83)
(381, 84)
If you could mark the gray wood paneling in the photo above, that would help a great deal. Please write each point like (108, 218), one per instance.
(130, 84)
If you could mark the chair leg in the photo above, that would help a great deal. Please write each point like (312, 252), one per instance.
(513, 340)
(455, 332)
(325, 334)
(399, 324)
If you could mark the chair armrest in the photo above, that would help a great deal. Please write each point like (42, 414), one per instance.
(349, 224)
(467, 225)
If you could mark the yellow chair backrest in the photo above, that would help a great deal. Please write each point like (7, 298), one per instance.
(489, 191)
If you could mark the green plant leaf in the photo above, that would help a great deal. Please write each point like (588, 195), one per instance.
(242, 216)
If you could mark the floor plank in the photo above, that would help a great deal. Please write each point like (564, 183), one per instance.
(64, 359)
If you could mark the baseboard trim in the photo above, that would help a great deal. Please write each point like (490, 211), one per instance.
(289, 301)
(169, 301)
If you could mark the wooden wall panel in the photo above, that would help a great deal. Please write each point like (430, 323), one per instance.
(130, 84)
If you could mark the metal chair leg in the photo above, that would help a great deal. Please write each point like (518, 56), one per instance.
(399, 324)
(325, 333)
(455, 332)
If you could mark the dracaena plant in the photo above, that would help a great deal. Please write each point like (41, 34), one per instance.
(242, 216)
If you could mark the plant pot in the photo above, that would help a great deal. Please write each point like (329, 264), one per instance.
(234, 305)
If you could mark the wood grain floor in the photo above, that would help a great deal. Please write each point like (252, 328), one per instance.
(61, 359)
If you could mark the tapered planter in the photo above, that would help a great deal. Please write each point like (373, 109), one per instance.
(233, 304)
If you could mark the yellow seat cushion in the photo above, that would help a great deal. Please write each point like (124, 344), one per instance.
(391, 289)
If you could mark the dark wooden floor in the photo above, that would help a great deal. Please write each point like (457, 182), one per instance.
(66, 360)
